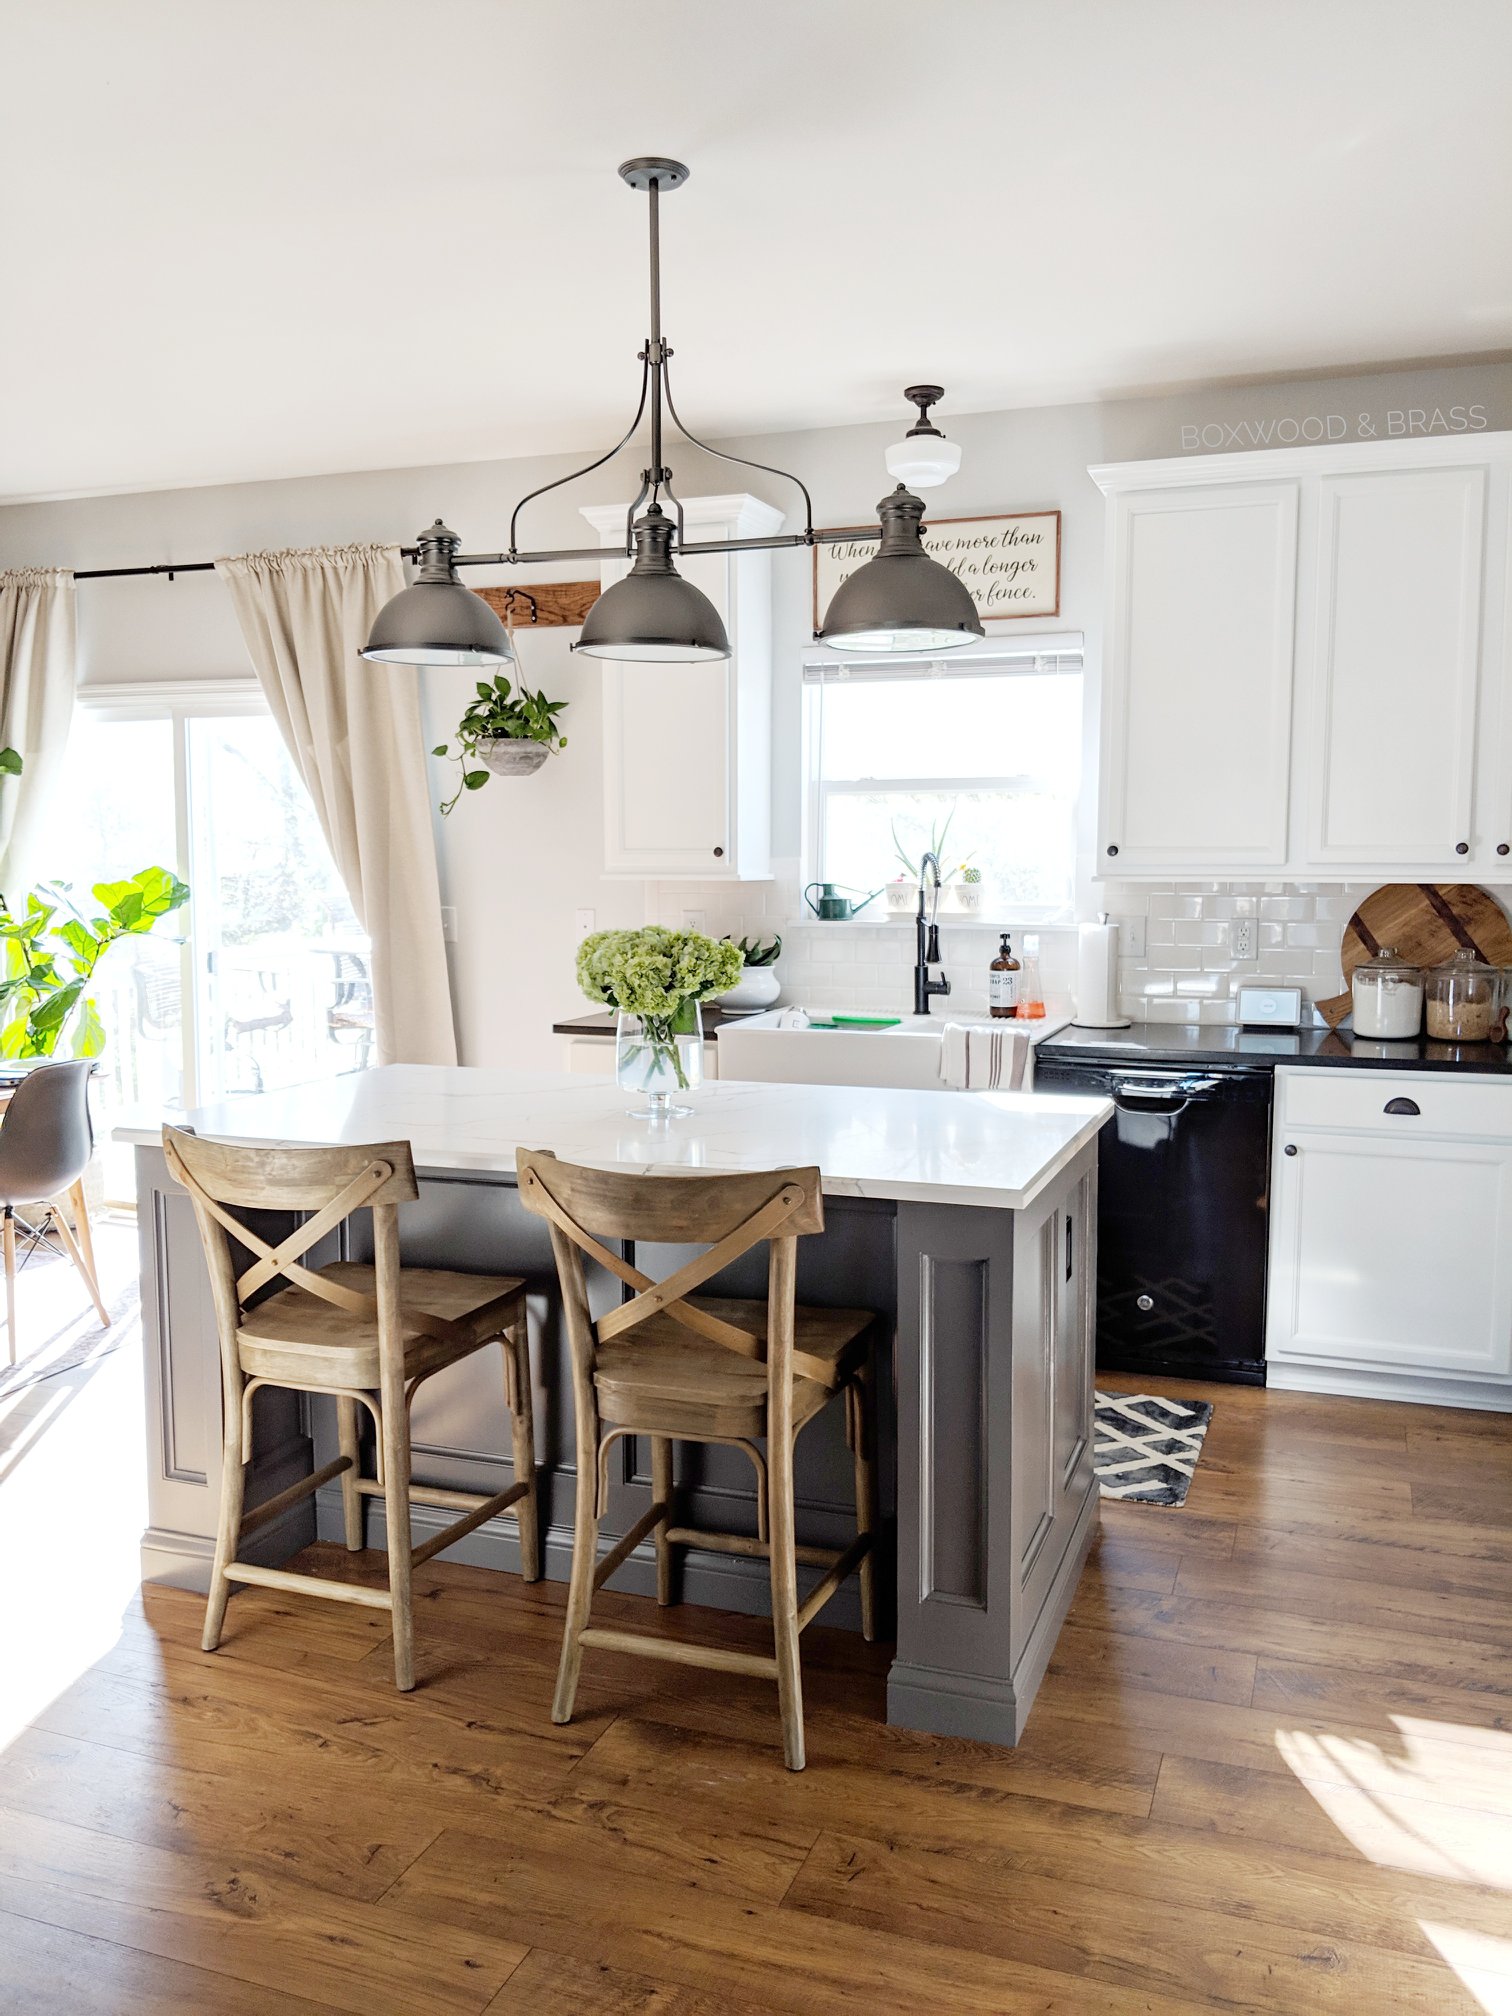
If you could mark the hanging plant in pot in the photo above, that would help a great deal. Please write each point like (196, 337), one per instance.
(509, 731)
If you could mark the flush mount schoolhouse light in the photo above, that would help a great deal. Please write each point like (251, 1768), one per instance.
(899, 601)
(924, 458)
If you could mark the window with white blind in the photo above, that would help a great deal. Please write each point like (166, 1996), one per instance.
(982, 756)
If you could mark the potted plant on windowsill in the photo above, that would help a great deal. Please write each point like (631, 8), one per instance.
(509, 732)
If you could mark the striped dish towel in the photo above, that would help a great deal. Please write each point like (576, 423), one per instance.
(986, 1057)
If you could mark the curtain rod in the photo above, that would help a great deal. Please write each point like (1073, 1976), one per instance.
(841, 535)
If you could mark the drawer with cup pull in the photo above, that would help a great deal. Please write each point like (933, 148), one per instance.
(1401, 1102)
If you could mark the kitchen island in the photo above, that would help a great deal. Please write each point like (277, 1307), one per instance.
(967, 1221)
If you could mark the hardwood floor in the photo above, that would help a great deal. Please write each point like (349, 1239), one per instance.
(1270, 1770)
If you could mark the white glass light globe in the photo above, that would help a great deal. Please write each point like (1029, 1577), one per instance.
(923, 460)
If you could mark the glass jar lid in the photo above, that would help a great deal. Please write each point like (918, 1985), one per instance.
(1387, 964)
(1465, 964)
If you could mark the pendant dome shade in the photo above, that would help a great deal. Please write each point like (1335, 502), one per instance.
(653, 616)
(436, 621)
(901, 600)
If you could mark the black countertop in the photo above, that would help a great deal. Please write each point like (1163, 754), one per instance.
(1209, 1043)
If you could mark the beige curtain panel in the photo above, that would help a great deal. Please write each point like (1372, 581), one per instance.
(37, 673)
(354, 731)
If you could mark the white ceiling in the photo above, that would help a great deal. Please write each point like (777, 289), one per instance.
(294, 236)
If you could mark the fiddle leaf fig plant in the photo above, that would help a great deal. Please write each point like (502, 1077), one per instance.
(49, 953)
(500, 713)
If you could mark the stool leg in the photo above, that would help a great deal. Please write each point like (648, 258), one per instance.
(396, 1502)
(10, 1283)
(580, 1590)
(864, 1448)
(228, 1526)
(522, 1427)
(351, 1497)
(661, 1490)
(80, 1246)
(784, 1567)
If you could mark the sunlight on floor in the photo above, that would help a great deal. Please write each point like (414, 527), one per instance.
(72, 1493)
(1394, 1810)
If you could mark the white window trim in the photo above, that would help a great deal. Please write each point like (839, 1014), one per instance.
(991, 656)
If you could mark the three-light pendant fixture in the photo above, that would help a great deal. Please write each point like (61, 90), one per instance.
(900, 600)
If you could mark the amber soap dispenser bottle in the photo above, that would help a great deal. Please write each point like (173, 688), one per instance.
(1002, 983)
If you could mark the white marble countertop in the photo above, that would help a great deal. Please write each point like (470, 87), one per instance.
(983, 1148)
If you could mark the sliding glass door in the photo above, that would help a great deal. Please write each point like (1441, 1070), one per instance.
(263, 980)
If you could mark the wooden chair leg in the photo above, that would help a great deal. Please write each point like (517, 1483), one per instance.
(10, 1283)
(85, 1232)
(234, 1457)
(661, 1490)
(522, 1428)
(784, 1566)
(580, 1590)
(351, 1497)
(396, 1505)
(86, 1273)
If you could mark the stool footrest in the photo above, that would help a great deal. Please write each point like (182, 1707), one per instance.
(271, 1507)
(308, 1585)
(481, 1509)
(762, 1665)
(622, 1549)
(822, 1591)
(742, 1543)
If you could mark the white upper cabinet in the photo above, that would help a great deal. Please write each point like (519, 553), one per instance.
(1307, 666)
(1396, 668)
(1197, 684)
(687, 748)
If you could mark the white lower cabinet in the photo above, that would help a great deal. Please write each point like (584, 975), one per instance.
(1391, 1235)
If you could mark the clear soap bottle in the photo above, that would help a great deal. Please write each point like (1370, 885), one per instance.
(1002, 983)
(1031, 989)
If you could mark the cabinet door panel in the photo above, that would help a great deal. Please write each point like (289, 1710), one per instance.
(1398, 641)
(1393, 1255)
(667, 767)
(1196, 751)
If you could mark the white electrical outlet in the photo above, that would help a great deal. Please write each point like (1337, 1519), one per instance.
(1242, 940)
(583, 922)
(695, 920)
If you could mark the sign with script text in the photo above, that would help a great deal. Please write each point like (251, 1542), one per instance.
(1010, 564)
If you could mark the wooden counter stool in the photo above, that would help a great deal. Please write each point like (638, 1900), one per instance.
(678, 1367)
(368, 1335)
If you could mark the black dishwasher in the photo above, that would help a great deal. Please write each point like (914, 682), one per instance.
(1183, 1175)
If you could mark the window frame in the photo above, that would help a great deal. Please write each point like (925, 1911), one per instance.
(984, 660)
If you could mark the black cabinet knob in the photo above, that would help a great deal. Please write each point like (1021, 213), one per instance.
(1463, 847)
(718, 851)
(1112, 850)
(1504, 848)
(1291, 1148)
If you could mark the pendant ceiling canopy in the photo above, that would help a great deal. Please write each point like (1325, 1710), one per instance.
(899, 601)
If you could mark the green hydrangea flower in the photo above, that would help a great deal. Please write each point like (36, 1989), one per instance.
(656, 973)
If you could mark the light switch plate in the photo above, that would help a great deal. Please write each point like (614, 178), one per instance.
(583, 922)
(449, 923)
(1131, 937)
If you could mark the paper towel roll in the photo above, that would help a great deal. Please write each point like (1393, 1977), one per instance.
(1097, 978)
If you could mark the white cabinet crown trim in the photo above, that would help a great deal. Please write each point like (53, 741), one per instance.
(1436, 451)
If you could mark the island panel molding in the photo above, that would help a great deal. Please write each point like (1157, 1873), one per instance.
(945, 1213)
(1009, 562)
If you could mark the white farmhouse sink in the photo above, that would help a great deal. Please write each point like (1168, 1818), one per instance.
(907, 1056)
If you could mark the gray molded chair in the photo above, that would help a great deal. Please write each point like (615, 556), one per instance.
(46, 1141)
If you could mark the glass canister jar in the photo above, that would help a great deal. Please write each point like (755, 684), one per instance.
(1388, 997)
(1462, 1000)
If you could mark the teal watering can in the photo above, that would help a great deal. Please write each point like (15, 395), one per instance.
(833, 907)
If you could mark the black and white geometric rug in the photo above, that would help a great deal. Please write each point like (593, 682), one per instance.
(1146, 1447)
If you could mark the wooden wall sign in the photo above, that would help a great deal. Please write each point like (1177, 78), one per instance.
(1010, 563)
(558, 604)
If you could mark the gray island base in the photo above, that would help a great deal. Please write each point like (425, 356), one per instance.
(967, 1220)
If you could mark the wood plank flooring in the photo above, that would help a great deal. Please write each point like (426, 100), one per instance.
(1270, 1771)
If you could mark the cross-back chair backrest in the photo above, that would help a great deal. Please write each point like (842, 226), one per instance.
(726, 1214)
(224, 1178)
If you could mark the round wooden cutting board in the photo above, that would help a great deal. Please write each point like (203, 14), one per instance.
(1427, 922)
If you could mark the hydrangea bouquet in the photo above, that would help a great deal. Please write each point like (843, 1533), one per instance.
(659, 976)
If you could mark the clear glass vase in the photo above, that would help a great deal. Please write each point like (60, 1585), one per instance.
(660, 1055)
